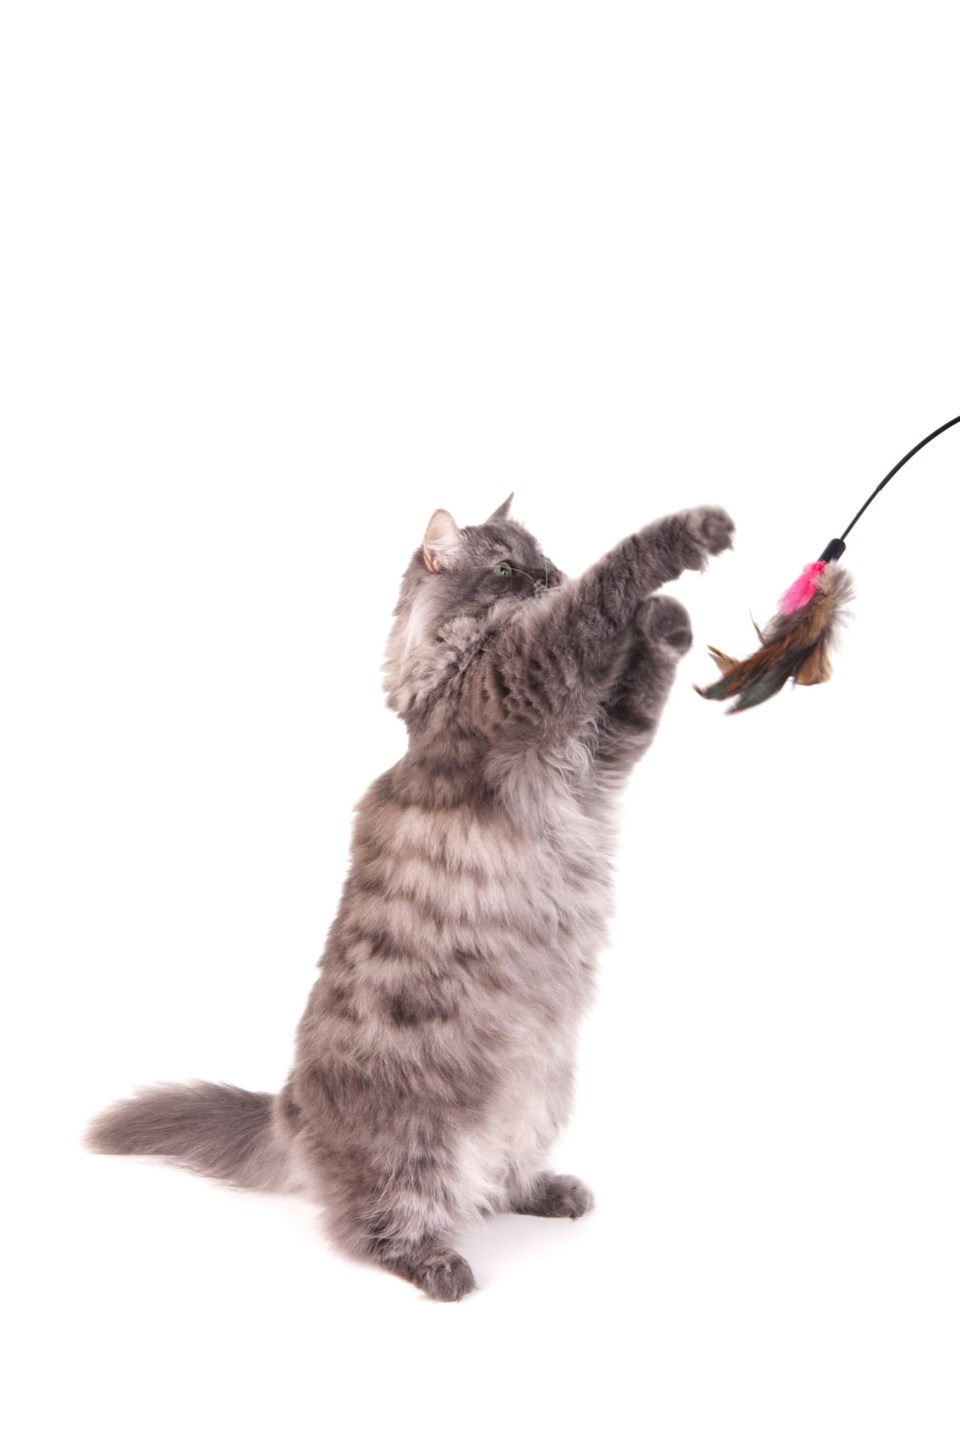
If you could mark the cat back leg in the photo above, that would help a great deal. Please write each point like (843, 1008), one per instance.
(401, 1229)
(395, 1204)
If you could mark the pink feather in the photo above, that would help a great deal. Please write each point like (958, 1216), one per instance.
(803, 589)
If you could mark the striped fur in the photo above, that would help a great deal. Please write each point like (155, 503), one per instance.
(434, 1063)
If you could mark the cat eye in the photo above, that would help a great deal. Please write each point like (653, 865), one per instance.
(503, 570)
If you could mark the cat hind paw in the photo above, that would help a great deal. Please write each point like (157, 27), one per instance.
(442, 1274)
(559, 1197)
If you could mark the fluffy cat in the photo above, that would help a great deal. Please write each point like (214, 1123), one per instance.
(433, 1065)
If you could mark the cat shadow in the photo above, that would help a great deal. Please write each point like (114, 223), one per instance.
(506, 1243)
(501, 1247)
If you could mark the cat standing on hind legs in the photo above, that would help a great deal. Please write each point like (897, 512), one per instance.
(433, 1065)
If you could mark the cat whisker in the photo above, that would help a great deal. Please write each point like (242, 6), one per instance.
(539, 586)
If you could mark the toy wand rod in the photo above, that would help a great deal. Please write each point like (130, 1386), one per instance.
(795, 645)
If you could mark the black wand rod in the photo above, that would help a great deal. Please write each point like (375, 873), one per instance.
(836, 547)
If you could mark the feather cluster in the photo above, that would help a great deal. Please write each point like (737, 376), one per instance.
(794, 646)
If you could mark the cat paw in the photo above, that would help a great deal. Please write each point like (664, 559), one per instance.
(561, 1197)
(441, 1274)
(666, 622)
(710, 528)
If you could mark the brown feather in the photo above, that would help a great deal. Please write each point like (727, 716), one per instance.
(816, 668)
(724, 663)
(795, 645)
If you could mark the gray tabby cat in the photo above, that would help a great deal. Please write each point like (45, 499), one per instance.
(433, 1064)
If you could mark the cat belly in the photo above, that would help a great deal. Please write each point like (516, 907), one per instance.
(497, 1162)
(536, 906)
(453, 986)
(559, 892)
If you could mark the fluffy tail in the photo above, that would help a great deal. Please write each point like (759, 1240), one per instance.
(217, 1130)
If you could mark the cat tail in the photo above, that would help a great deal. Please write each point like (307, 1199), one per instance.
(216, 1130)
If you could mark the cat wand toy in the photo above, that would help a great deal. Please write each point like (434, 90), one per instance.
(796, 643)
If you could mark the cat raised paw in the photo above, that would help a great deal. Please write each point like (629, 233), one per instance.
(710, 527)
(667, 622)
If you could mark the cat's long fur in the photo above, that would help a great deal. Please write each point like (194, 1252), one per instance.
(434, 1062)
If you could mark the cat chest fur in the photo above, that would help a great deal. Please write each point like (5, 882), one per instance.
(463, 954)
(522, 887)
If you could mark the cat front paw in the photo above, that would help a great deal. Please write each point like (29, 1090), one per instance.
(666, 622)
(710, 528)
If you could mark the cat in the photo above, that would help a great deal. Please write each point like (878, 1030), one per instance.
(434, 1063)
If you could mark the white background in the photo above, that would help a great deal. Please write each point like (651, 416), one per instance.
(277, 281)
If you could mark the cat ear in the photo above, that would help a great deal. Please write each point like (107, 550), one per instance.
(502, 511)
(441, 540)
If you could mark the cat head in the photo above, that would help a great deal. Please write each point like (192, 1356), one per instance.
(460, 585)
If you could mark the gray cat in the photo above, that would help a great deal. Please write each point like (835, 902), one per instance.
(433, 1064)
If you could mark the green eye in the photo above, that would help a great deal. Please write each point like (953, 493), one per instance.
(503, 570)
